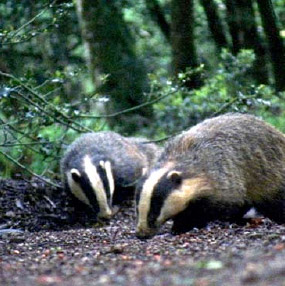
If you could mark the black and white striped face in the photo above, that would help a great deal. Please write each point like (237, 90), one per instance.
(93, 184)
(160, 197)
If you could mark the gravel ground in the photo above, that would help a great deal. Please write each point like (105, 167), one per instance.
(84, 254)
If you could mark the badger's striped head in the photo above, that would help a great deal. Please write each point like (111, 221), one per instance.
(165, 193)
(93, 184)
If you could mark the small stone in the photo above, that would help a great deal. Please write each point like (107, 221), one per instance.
(255, 235)
(10, 214)
(214, 265)
(273, 236)
(279, 246)
(251, 273)
(60, 255)
(47, 252)
(49, 280)
(17, 239)
(117, 249)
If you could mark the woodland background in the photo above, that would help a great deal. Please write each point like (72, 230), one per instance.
(146, 68)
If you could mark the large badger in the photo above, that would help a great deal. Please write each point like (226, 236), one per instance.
(98, 166)
(218, 169)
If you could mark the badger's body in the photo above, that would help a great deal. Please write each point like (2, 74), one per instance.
(218, 169)
(150, 150)
(98, 166)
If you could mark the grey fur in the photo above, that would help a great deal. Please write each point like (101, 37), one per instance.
(240, 156)
(126, 156)
(151, 150)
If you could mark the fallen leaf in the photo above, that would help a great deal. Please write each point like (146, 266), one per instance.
(279, 246)
(47, 279)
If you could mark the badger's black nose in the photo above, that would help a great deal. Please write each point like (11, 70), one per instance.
(146, 234)
(143, 236)
(103, 219)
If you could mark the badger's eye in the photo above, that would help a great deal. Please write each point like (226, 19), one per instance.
(175, 177)
(75, 175)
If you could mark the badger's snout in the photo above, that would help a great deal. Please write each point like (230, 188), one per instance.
(145, 233)
(105, 216)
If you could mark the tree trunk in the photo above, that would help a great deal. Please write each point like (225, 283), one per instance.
(275, 44)
(157, 15)
(182, 40)
(110, 51)
(244, 35)
(251, 40)
(234, 25)
(214, 23)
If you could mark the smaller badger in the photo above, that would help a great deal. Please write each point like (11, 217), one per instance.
(217, 169)
(96, 167)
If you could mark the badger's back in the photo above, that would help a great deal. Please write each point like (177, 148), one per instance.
(241, 155)
(218, 169)
(150, 150)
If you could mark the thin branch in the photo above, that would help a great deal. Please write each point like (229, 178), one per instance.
(52, 91)
(24, 135)
(26, 144)
(42, 99)
(228, 104)
(32, 20)
(42, 84)
(32, 91)
(129, 109)
(13, 129)
(224, 107)
(47, 113)
(26, 38)
(3, 124)
(219, 111)
(28, 170)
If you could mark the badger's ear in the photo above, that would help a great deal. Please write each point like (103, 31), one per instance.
(75, 174)
(175, 176)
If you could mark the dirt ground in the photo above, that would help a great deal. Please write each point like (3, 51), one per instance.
(53, 249)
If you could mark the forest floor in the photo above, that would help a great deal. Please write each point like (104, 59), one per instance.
(75, 254)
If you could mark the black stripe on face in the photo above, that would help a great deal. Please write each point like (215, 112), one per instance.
(85, 185)
(160, 193)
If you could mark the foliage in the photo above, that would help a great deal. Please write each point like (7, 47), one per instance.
(36, 134)
(41, 41)
(227, 90)
(151, 45)
(47, 98)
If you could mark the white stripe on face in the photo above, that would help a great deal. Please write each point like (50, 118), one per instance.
(108, 168)
(75, 188)
(98, 188)
(179, 199)
(145, 198)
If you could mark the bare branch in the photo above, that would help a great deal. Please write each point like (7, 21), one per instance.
(130, 109)
(28, 170)
(32, 20)
(219, 111)
(47, 104)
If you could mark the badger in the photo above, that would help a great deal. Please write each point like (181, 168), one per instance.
(148, 148)
(216, 170)
(96, 167)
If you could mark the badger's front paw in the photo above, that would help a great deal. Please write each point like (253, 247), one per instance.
(182, 225)
(179, 227)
